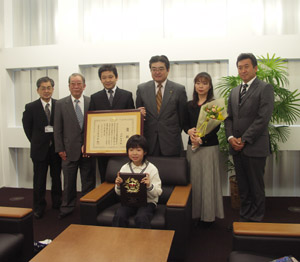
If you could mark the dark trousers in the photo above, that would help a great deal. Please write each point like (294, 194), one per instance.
(102, 165)
(157, 150)
(142, 219)
(250, 178)
(40, 170)
(88, 181)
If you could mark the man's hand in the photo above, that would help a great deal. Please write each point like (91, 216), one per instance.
(143, 111)
(236, 143)
(63, 155)
(82, 151)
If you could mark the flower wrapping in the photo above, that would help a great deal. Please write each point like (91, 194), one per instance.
(211, 115)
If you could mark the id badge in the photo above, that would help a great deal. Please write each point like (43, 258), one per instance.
(48, 129)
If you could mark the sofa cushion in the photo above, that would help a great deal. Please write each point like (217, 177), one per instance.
(10, 246)
(105, 217)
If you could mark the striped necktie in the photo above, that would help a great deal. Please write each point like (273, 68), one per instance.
(47, 111)
(243, 93)
(158, 98)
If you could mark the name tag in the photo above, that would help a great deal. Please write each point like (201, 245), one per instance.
(48, 129)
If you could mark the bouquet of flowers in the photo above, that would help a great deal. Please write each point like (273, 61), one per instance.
(211, 115)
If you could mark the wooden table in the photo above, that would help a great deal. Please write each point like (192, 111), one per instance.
(94, 243)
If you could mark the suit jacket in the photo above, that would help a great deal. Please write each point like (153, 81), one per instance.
(68, 135)
(249, 120)
(34, 122)
(168, 124)
(122, 100)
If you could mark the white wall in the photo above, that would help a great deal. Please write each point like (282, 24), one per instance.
(71, 52)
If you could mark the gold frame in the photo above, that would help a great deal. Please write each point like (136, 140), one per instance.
(107, 131)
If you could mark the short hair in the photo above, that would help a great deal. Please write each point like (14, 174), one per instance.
(111, 68)
(76, 74)
(160, 58)
(44, 79)
(244, 56)
(210, 94)
(136, 141)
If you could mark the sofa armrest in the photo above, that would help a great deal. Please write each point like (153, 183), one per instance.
(266, 229)
(268, 239)
(15, 220)
(97, 193)
(14, 212)
(96, 200)
(179, 196)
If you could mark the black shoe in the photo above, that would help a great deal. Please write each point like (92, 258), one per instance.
(63, 215)
(206, 224)
(56, 206)
(230, 228)
(38, 215)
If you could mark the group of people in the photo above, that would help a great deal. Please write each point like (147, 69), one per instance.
(55, 131)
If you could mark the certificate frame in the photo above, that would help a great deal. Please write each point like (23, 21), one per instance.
(107, 131)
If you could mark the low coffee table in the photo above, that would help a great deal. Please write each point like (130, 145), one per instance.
(94, 243)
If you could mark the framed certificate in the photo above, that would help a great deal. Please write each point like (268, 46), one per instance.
(133, 192)
(107, 132)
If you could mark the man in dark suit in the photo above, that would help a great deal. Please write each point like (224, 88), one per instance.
(69, 138)
(110, 98)
(250, 108)
(38, 119)
(165, 105)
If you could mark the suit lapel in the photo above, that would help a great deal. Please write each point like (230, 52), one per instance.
(104, 99)
(117, 97)
(86, 105)
(70, 109)
(151, 95)
(42, 112)
(169, 90)
(52, 112)
(250, 91)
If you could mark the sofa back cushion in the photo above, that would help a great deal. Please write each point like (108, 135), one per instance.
(173, 171)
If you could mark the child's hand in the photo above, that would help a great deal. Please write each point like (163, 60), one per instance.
(118, 180)
(146, 180)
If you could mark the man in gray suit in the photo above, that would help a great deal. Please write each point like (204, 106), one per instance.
(250, 108)
(165, 105)
(69, 138)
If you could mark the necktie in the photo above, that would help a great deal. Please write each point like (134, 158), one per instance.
(158, 98)
(78, 113)
(244, 90)
(111, 97)
(47, 111)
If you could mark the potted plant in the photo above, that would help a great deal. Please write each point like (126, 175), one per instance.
(286, 106)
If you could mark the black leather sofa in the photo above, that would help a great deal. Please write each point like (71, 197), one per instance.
(264, 242)
(174, 206)
(16, 234)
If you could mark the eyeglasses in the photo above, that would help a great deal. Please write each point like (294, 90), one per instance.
(44, 88)
(157, 69)
(76, 84)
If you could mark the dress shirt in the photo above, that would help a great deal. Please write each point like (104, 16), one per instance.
(163, 84)
(249, 84)
(114, 92)
(81, 103)
(45, 103)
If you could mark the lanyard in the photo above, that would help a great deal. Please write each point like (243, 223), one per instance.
(147, 163)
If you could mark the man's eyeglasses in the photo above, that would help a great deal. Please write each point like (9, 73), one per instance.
(158, 69)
